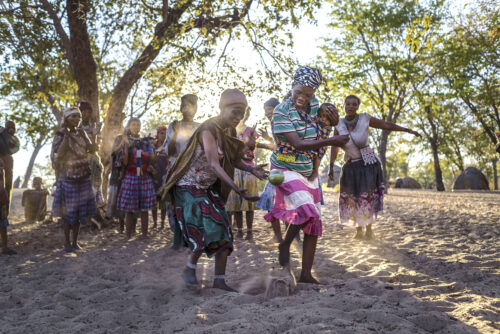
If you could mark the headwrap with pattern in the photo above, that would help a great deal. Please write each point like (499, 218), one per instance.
(307, 76)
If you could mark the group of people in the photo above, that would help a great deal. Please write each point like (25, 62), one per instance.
(204, 176)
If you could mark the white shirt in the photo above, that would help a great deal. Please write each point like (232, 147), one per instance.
(360, 135)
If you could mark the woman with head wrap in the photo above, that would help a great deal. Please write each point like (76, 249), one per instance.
(74, 199)
(137, 195)
(361, 180)
(178, 135)
(298, 199)
(199, 182)
(160, 165)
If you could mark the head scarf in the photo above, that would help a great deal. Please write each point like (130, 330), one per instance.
(71, 111)
(272, 102)
(189, 98)
(307, 76)
(232, 96)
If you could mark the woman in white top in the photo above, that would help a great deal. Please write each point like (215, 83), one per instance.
(361, 181)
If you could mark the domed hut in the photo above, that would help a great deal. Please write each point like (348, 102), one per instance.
(407, 183)
(471, 178)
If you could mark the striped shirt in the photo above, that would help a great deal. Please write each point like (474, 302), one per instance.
(286, 118)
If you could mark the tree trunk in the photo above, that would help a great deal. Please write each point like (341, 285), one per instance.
(437, 166)
(83, 66)
(495, 173)
(29, 170)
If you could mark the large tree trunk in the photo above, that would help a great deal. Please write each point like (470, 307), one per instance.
(83, 65)
(437, 166)
(495, 173)
(29, 170)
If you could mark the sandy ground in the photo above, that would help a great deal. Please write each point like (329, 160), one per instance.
(433, 268)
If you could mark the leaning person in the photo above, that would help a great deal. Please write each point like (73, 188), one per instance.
(199, 182)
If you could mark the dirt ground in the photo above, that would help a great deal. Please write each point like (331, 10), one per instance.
(432, 268)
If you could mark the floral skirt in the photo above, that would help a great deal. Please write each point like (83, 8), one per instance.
(361, 193)
(203, 219)
(247, 181)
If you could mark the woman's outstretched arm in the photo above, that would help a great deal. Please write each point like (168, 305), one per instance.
(385, 125)
(306, 145)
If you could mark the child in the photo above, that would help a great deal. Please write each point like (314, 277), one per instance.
(160, 169)
(323, 127)
(74, 200)
(35, 202)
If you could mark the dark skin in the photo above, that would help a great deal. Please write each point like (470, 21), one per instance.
(71, 123)
(188, 111)
(130, 220)
(3, 230)
(160, 139)
(324, 120)
(351, 106)
(301, 96)
(230, 117)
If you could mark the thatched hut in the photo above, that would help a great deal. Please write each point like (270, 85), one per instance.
(471, 178)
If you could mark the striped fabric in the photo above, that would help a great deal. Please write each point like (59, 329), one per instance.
(298, 202)
(286, 118)
(137, 193)
(74, 201)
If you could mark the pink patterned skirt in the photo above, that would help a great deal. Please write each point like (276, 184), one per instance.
(298, 202)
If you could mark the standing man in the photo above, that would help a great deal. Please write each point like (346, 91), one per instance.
(9, 144)
(178, 135)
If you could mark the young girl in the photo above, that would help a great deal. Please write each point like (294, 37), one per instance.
(137, 195)
(74, 200)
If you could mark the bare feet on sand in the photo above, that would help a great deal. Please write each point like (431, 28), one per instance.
(219, 283)
(76, 246)
(369, 235)
(68, 248)
(359, 233)
(284, 254)
(308, 279)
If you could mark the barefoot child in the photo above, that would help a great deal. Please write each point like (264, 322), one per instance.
(74, 200)
(199, 182)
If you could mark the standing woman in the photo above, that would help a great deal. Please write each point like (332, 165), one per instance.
(298, 199)
(160, 168)
(199, 182)
(137, 194)
(179, 133)
(361, 180)
(74, 199)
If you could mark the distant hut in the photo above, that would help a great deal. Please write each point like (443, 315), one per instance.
(326, 179)
(407, 183)
(472, 178)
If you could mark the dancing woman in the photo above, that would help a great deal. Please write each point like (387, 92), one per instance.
(199, 182)
(297, 199)
(361, 181)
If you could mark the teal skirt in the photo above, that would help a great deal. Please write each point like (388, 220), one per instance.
(203, 220)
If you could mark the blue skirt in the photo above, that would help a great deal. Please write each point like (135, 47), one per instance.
(74, 201)
(266, 201)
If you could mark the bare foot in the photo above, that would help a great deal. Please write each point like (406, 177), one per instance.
(308, 279)
(359, 233)
(219, 283)
(249, 236)
(369, 235)
(284, 254)
(189, 277)
(76, 245)
(8, 251)
(68, 248)
(239, 234)
(313, 177)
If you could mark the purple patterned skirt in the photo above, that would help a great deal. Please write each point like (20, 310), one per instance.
(361, 193)
(137, 193)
